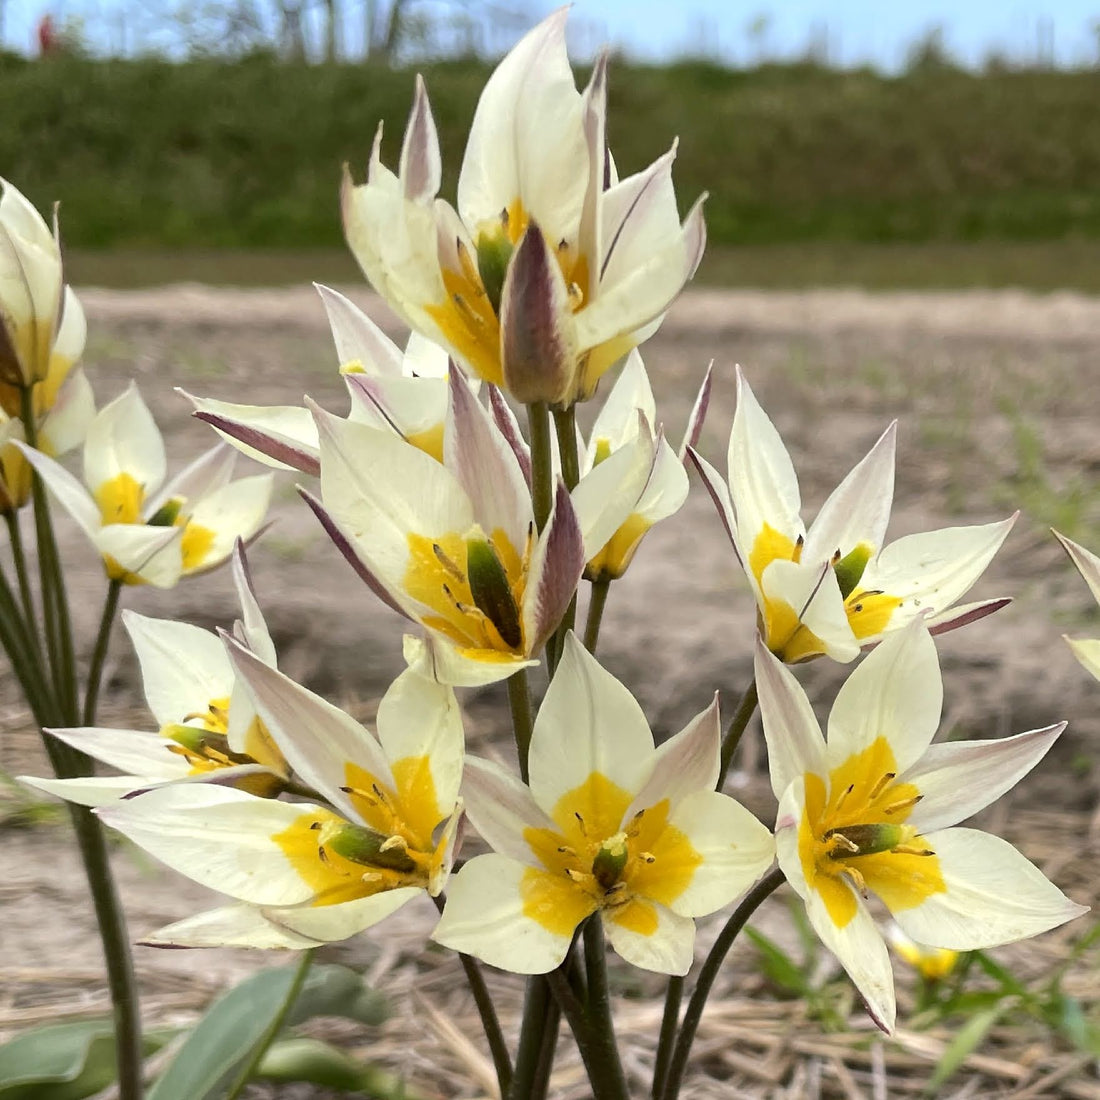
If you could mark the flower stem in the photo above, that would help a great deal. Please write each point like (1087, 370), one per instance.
(272, 1032)
(542, 466)
(674, 995)
(596, 603)
(488, 1013)
(99, 654)
(746, 708)
(522, 720)
(540, 1086)
(23, 577)
(711, 965)
(26, 658)
(536, 1005)
(565, 425)
(605, 1050)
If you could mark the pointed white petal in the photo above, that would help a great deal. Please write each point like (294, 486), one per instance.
(233, 512)
(95, 790)
(319, 740)
(1087, 563)
(812, 592)
(588, 723)
(183, 667)
(424, 358)
(150, 553)
(617, 420)
(229, 926)
(858, 510)
(896, 693)
(993, 896)
(131, 751)
(501, 808)
(358, 339)
(420, 168)
(440, 659)
(124, 439)
(1088, 653)
(218, 836)
(795, 744)
(330, 923)
(256, 635)
(66, 424)
(70, 494)
(736, 850)
(485, 917)
(720, 495)
(554, 572)
(668, 949)
(207, 473)
(283, 436)
(698, 412)
(959, 778)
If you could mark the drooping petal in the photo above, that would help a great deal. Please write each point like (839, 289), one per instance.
(93, 790)
(588, 724)
(218, 836)
(319, 741)
(229, 926)
(131, 751)
(735, 848)
(896, 693)
(124, 439)
(331, 923)
(487, 916)
(501, 808)
(555, 570)
(993, 895)
(858, 509)
(651, 936)
(958, 778)
(795, 744)
(183, 667)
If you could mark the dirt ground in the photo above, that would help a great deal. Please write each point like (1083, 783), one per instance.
(998, 398)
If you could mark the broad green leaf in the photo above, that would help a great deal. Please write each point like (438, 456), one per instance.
(63, 1061)
(779, 967)
(237, 1021)
(966, 1041)
(322, 1064)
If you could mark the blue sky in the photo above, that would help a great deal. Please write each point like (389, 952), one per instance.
(856, 30)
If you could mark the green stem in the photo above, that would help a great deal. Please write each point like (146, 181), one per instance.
(542, 467)
(565, 425)
(271, 1033)
(99, 654)
(669, 1022)
(26, 659)
(540, 1086)
(498, 1048)
(711, 965)
(536, 1005)
(580, 1025)
(746, 708)
(23, 576)
(596, 603)
(519, 697)
(610, 1081)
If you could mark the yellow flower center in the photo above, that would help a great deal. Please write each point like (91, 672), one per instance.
(593, 861)
(854, 834)
(391, 848)
(473, 586)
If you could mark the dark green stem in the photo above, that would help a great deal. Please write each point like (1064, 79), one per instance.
(604, 1048)
(99, 654)
(746, 708)
(711, 965)
(523, 722)
(25, 657)
(542, 466)
(551, 1024)
(669, 1022)
(23, 576)
(271, 1033)
(565, 425)
(596, 603)
(498, 1048)
(536, 1005)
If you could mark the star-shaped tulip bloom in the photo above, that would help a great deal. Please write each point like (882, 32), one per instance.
(610, 827)
(1086, 650)
(551, 268)
(208, 729)
(453, 546)
(403, 392)
(303, 873)
(835, 588)
(870, 810)
(148, 536)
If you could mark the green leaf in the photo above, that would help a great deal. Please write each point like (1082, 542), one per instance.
(966, 1041)
(780, 968)
(63, 1061)
(323, 1064)
(238, 1020)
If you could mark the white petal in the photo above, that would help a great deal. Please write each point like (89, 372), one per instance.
(994, 895)
(72, 333)
(685, 763)
(233, 512)
(896, 693)
(617, 421)
(667, 488)
(318, 740)
(124, 439)
(420, 168)
(419, 717)
(1087, 563)
(358, 339)
(151, 553)
(218, 836)
(424, 358)
(66, 424)
(210, 471)
(720, 495)
(256, 635)
(668, 949)
(230, 926)
(858, 509)
(131, 751)
(440, 659)
(1088, 653)
(70, 494)
(501, 808)
(736, 849)
(485, 917)
(795, 744)
(329, 923)
(588, 723)
(95, 790)
(959, 778)
(183, 667)
(813, 594)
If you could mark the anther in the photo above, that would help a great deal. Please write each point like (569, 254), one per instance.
(904, 804)
(580, 822)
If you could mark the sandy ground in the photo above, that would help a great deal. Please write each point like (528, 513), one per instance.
(998, 397)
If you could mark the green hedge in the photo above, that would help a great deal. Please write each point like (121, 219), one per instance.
(248, 153)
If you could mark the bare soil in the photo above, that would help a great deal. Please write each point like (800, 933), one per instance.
(998, 397)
